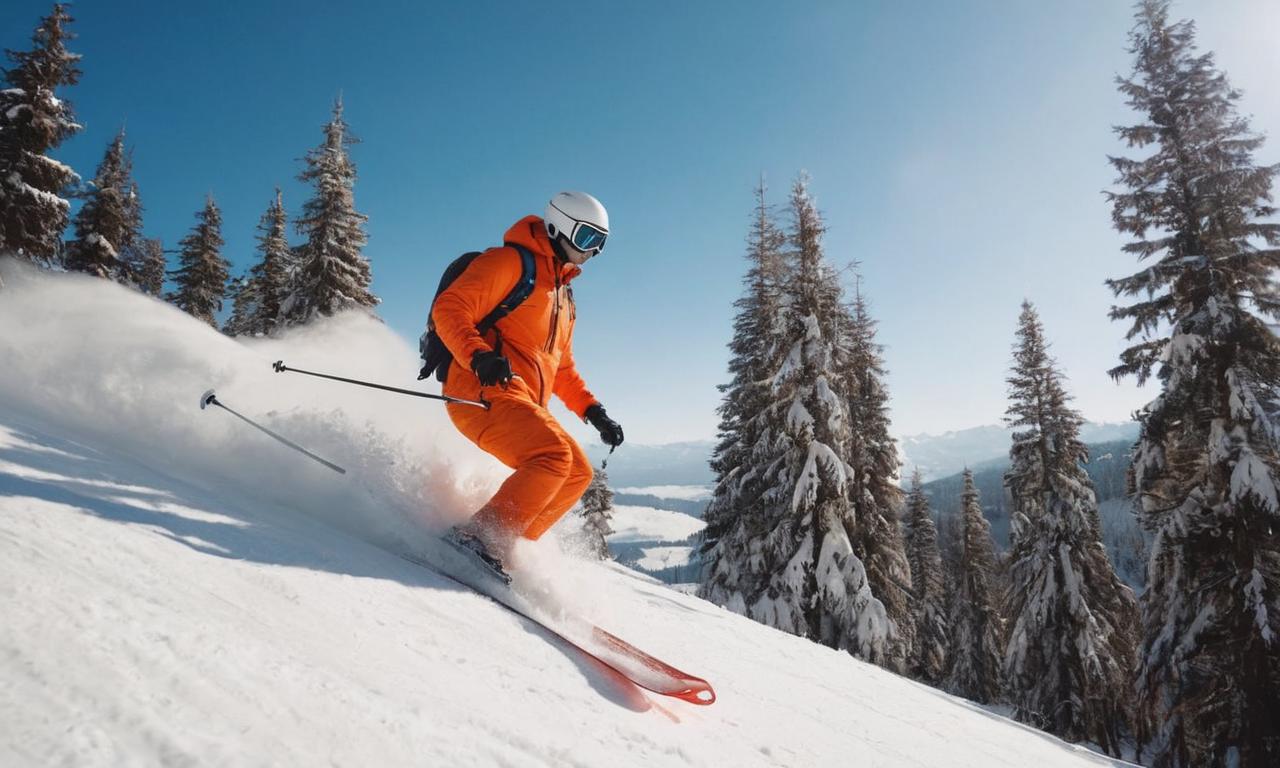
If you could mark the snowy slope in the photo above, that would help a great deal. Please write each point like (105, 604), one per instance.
(660, 558)
(632, 523)
(178, 590)
(678, 492)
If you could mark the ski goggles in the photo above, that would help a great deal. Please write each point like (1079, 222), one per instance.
(586, 237)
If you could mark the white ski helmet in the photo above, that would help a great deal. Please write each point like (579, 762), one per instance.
(580, 218)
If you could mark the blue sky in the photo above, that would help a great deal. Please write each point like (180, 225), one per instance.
(957, 149)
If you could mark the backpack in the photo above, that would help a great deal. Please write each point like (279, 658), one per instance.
(435, 355)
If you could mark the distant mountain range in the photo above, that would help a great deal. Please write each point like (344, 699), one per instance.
(937, 456)
(669, 464)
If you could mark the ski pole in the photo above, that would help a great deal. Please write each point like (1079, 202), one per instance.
(280, 367)
(209, 398)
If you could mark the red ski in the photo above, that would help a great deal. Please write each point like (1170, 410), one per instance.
(641, 668)
(644, 670)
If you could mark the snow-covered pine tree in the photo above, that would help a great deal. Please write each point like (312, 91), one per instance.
(148, 266)
(816, 584)
(271, 273)
(201, 276)
(1205, 466)
(257, 296)
(33, 120)
(744, 460)
(244, 303)
(1071, 646)
(873, 490)
(951, 551)
(950, 543)
(977, 631)
(597, 511)
(107, 225)
(332, 273)
(929, 597)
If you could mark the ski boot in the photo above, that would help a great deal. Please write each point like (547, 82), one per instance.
(473, 547)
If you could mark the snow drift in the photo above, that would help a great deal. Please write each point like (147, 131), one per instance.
(177, 589)
(103, 362)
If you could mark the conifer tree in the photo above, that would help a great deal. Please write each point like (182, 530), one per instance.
(977, 631)
(816, 585)
(271, 273)
(951, 550)
(148, 266)
(201, 276)
(244, 304)
(332, 273)
(1071, 647)
(744, 461)
(874, 492)
(597, 511)
(1204, 470)
(929, 599)
(107, 225)
(257, 296)
(33, 120)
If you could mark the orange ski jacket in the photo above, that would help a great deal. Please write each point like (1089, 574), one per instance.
(537, 336)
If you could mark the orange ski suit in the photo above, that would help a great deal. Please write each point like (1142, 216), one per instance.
(551, 470)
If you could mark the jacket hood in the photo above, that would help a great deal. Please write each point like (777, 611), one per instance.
(531, 232)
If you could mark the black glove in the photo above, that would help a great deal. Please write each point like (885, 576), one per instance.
(610, 430)
(491, 368)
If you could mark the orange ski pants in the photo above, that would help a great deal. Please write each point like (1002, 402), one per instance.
(551, 469)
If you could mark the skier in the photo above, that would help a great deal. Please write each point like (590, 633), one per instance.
(517, 365)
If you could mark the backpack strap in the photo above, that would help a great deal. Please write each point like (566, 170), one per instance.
(523, 288)
(435, 355)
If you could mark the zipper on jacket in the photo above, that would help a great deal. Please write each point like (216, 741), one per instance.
(555, 319)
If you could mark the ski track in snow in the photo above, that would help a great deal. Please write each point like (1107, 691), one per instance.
(177, 590)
